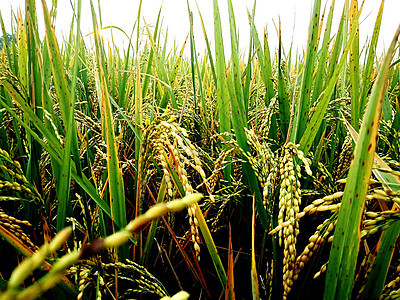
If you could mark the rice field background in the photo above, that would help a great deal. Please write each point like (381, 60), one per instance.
(143, 173)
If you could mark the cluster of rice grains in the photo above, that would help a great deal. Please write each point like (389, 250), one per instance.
(13, 181)
(264, 164)
(84, 279)
(392, 289)
(375, 221)
(166, 141)
(289, 203)
(322, 234)
(345, 158)
(101, 276)
(12, 225)
(143, 281)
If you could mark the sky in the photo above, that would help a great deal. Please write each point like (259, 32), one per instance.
(294, 16)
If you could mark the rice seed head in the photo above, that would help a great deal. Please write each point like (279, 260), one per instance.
(289, 203)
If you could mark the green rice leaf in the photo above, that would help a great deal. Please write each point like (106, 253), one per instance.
(116, 184)
(354, 67)
(345, 245)
(302, 104)
(316, 119)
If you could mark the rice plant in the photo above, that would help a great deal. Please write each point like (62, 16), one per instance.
(296, 158)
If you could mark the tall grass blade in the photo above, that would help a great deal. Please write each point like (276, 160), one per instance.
(6, 44)
(380, 267)
(152, 232)
(264, 61)
(239, 119)
(354, 67)
(35, 88)
(254, 276)
(138, 123)
(211, 246)
(116, 184)
(67, 111)
(235, 65)
(283, 97)
(367, 73)
(150, 61)
(209, 53)
(195, 69)
(386, 246)
(339, 42)
(162, 74)
(345, 245)
(320, 75)
(230, 282)
(222, 93)
(316, 119)
(223, 103)
(303, 102)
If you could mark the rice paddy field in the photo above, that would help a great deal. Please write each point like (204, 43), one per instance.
(144, 173)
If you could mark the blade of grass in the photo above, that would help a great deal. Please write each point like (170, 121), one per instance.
(264, 61)
(150, 60)
(367, 73)
(63, 186)
(386, 246)
(21, 71)
(172, 74)
(235, 64)
(222, 98)
(208, 239)
(138, 123)
(254, 276)
(239, 122)
(283, 97)
(53, 57)
(380, 267)
(316, 119)
(248, 70)
(195, 69)
(116, 184)
(320, 77)
(209, 53)
(339, 42)
(34, 88)
(354, 67)
(302, 104)
(223, 103)
(345, 245)
(230, 283)
(162, 73)
(6, 44)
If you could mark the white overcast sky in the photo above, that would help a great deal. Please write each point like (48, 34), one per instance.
(294, 15)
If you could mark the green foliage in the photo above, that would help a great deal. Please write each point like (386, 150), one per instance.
(91, 138)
